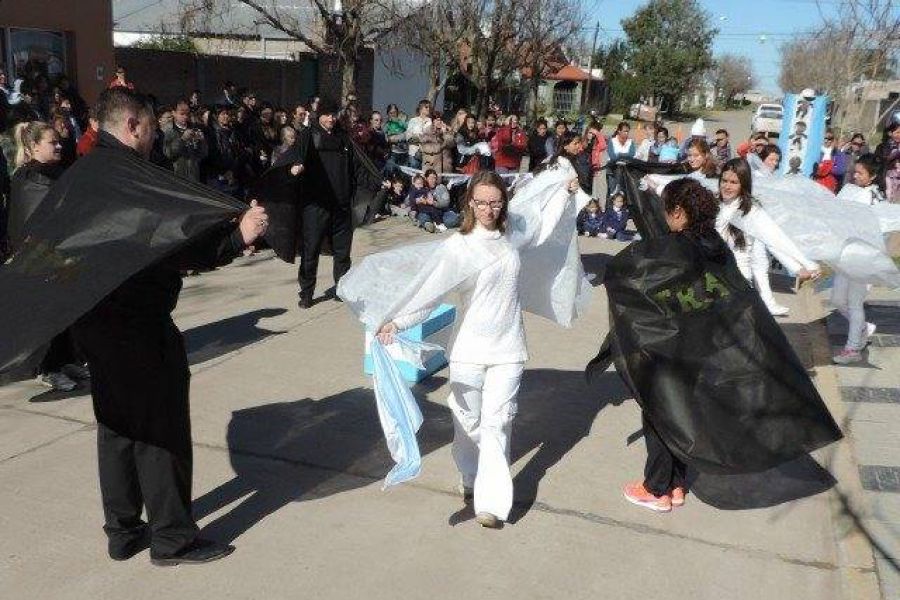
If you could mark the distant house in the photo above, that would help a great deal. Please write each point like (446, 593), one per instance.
(564, 91)
(867, 105)
(561, 90)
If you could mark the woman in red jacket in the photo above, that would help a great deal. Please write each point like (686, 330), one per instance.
(509, 146)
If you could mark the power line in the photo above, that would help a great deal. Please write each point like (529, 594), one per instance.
(140, 10)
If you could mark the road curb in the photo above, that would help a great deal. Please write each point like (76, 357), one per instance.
(848, 506)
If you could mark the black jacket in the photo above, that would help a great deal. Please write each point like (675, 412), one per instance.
(130, 332)
(330, 176)
(225, 153)
(29, 184)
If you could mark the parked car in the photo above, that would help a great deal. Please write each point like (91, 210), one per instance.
(767, 119)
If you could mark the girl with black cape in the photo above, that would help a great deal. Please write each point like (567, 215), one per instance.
(720, 388)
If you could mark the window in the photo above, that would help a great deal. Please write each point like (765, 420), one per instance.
(36, 53)
(564, 96)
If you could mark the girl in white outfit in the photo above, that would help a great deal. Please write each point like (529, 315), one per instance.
(768, 162)
(489, 353)
(746, 227)
(848, 296)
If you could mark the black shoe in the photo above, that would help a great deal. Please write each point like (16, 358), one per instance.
(197, 552)
(123, 550)
(305, 302)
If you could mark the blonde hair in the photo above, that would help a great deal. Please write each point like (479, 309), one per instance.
(27, 136)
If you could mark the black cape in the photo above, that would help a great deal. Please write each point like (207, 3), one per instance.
(110, 215)
(282, 195)
(708, 364)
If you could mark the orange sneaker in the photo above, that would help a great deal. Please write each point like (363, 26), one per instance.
(636, 493)
(678, 494)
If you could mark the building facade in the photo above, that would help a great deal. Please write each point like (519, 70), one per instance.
(52, 38)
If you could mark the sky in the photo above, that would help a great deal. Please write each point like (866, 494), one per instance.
(740, 22)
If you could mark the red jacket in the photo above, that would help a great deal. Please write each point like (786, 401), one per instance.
(87, 142)
(509, 146)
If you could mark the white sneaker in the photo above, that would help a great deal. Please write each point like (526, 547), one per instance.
(441, 227)
(58, 382)
(778, 310)
(486, 519)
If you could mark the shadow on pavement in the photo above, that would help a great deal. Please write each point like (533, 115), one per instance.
(556, 410)
(212, 340)
(596, 264)
(305, 450)
(81, 389)
(797, 479)
(310, 449)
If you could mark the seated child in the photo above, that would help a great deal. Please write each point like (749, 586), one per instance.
(615, 219)
(396, 197)
(590, 221)
(417, 193)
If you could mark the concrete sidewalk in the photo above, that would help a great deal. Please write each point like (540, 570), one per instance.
(289, 459)
(871, 393)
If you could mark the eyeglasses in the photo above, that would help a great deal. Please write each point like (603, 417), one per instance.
(482, 204)
(829, 139)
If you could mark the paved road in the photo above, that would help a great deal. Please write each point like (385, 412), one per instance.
(289, 459)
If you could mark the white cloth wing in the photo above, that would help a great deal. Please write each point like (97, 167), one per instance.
(846, 235)
(541, 224)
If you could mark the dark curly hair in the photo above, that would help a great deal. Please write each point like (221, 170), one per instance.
(697, 202)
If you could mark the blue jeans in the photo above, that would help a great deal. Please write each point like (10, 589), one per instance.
(414, 162)
(451, 218)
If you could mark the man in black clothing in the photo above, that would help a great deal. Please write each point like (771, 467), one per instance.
(226, 160)
(329, 184)
(143, 425)
(537, 144)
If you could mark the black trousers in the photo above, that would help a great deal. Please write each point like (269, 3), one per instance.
(136, 474)
(663, 470)
(143, 428)
(317, 223)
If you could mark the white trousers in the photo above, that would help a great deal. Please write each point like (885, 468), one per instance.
(849, 297)
(759, 265)
(483, 402)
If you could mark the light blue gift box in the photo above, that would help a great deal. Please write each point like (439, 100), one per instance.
(436, 329)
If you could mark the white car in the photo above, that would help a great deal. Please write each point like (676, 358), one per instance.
(767, 119)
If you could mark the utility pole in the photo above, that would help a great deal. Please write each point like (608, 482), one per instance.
(587, 88)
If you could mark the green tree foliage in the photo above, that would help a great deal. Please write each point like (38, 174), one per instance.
(168, 43)
(670, 44)
(625, 85)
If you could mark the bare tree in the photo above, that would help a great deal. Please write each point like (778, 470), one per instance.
(343, 29)
(546, 26)
(731, 75)
(479, 39)
(423, 30)
(859, 43)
